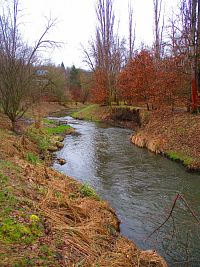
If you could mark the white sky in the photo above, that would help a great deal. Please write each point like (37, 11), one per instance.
(76, 23)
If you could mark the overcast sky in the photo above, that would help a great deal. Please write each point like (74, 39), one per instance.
(76, 23)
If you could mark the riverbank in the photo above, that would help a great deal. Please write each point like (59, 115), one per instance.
(49, 219)
(116, 116)
(172, 134)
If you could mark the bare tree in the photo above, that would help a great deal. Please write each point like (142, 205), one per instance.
(185, 43)
(131, 39)
(194, 49)
(105, 53)
(158, 30)
(17, 63)
(190, 33)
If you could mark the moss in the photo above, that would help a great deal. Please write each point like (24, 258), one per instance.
(12, 231)
(34, 218)
(178, 156)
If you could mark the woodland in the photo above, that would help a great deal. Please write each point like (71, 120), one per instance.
(165, 75)
(47, 218)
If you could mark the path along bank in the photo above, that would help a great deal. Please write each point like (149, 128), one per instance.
(49, 219)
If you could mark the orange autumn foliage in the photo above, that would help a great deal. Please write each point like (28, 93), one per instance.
(136, 81)
(99, 92)
(161, 83)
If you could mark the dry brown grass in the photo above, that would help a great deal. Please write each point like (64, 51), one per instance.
(174, 131)
(88, 229)
(79, 230)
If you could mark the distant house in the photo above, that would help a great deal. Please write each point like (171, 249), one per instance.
(41, 72)
(41, 77)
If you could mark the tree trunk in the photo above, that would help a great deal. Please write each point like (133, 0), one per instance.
(198, 48)
(13, 128)
(194, 58)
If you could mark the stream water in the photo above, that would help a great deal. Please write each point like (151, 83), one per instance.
(140, 186)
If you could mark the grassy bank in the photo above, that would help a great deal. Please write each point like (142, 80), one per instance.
(92, 113)
(122, 116)
(49, 219)
(173, 134)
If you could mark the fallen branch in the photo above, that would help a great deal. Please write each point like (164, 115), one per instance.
(178, 196)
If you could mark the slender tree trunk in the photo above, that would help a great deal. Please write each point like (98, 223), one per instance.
(131, 33)
(198, 46)
(13, 128)
(194, 59)
(158, 31)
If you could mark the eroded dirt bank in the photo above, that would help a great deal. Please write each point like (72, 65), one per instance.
(173, 134)
(49, 219)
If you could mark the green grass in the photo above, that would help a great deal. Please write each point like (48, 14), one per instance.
(48, 121)
(5, 164)
(87, 191)
(87, 113)
(95, 113)
(43, 136)
(32, 158)
(8, 201)
(178, 156)
(61, 129)
(40, 137)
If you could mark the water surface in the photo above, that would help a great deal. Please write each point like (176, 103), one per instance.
(139, 185)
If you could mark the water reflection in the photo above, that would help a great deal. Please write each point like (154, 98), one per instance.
(139, 185)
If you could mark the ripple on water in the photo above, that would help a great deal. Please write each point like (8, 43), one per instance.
(138, 184)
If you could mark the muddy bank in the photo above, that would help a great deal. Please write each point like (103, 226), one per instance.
(49, 219)
(171, 134)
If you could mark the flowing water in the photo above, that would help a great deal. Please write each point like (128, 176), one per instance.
(140, 186)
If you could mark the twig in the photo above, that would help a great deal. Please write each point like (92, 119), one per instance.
(178, 196)
(188, 206)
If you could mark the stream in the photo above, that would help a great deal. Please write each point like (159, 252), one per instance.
(140, 186)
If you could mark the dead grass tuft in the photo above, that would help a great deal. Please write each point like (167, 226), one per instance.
(75, 230)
